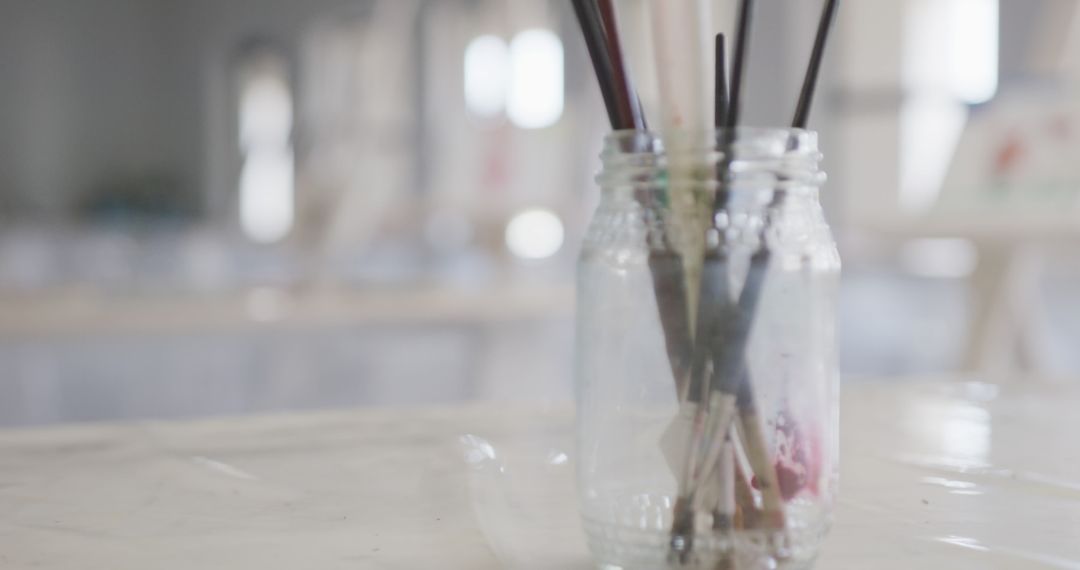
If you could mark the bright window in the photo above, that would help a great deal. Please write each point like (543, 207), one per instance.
(266, 178)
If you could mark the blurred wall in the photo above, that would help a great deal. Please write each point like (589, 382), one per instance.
(105, 90)
(93, 91)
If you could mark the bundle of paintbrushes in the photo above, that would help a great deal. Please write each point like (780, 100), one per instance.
(716, 446)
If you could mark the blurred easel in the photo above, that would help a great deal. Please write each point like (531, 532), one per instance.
(1012, 189)
(1038, 142)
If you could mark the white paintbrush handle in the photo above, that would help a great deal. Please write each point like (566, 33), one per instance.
(679, 44)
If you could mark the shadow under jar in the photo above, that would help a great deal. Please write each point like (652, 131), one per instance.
(706, 360)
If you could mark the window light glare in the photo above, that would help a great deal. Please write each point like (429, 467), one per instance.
(265, 111)
(487, 63)
(973, 61)
(267, 185)
(534, 234)
(535, 97)
(266, 195)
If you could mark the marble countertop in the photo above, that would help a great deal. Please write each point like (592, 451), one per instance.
(952, 475)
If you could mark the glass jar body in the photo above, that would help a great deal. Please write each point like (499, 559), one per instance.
(706, 363)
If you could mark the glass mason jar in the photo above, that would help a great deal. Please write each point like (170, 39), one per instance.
(706, 361)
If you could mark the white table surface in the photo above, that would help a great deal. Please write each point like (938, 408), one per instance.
(934, 476)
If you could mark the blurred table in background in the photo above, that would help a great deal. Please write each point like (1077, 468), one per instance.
(88, 356)
(947, 474)
(75, 313)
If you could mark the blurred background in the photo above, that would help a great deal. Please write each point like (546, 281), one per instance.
(216, 208)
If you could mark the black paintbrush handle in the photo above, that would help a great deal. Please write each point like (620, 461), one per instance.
(806, 96)
(592, 29)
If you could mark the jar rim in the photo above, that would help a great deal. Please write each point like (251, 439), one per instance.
(745, 153)
(689, 140)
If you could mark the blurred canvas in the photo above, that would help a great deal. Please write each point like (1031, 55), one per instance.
(1017, 160)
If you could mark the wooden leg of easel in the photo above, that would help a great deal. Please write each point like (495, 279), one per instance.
(987, 322)
(1007, 327)
(1028, 320)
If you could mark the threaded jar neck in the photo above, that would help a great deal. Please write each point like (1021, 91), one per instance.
(744, 158)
